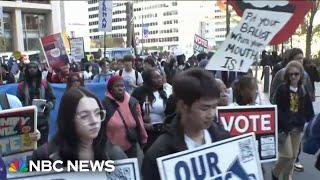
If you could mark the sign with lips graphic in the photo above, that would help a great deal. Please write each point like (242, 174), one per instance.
(262, 23)
(298, 9)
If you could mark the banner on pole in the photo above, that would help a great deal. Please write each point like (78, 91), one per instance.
(105, 16)
(15, 127)
(200, 44)
(54, 50)
(240, 161)
(262, 120)
(77, 49)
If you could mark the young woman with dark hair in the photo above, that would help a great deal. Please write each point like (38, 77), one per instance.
(87, 74)
(294, 109)
(74, 80)
(152, 98)
(79, 135)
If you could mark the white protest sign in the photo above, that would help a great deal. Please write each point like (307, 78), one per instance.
(244, 43)
(234, 158)
(77, 49)
(105, 16)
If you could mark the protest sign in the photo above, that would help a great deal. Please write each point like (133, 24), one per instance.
(262, 120)
(15, 127)
(298, 9)
(105, 16)
(54, 50)
(77, 49)
(125, 169)
(200, 44)
(233, 158)
(244, 43)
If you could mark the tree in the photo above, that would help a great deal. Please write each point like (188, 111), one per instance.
(309, 29)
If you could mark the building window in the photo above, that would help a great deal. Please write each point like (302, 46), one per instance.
(174, 3)
(34, 27)
(92, 1)
(93, 16)
(93, 8)
(32, 1)
(7, 43)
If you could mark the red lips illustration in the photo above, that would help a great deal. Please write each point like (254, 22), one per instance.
(297, 7)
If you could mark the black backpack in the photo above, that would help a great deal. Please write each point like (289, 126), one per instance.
(135, 72)
(4, 101)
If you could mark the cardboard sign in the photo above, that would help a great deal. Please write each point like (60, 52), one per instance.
(234, 158)
(200, 44)
(105, 16)
(77, 49)
(125, 169)
(262, 120)
(15, 127)
(244, 43)
(54, 50)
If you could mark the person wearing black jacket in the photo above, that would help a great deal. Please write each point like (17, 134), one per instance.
(294, 109)
(196, 96)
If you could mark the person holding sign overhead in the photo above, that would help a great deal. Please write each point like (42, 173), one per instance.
(196, 95)
(79, 135)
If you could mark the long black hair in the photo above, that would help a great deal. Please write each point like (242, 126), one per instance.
(66, 137)
(148, 86)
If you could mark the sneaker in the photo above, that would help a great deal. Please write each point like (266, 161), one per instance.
(298, 167)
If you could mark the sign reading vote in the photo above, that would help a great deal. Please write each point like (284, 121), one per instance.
(234, 158)
(200, 44)
(262, 120)
(15, 127)
(244, 43)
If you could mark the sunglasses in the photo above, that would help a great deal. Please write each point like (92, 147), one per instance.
(294, 74)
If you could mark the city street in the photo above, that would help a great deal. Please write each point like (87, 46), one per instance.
(309, 173)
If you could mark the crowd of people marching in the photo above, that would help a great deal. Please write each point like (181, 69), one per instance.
(159, 105)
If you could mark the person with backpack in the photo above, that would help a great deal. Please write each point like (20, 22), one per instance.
(34, 87)
(131, 77)
(125, 126)
(294, 110)
(105, 74)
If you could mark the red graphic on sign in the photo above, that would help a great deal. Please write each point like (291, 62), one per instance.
(298, 8)
(237, 123)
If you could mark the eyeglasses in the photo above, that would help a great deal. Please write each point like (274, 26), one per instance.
(294, 74)
(85, 116)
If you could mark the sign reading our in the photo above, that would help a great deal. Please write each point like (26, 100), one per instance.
(105, 16)
(244, 43)
(15, 127)
(240, 161)
(262, 120)
(200, 44)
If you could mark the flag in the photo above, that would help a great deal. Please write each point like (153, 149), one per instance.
(145, 30)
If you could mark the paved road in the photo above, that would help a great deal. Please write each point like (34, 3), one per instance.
(309, 173)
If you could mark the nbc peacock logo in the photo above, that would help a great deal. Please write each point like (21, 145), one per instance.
(18, 166)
